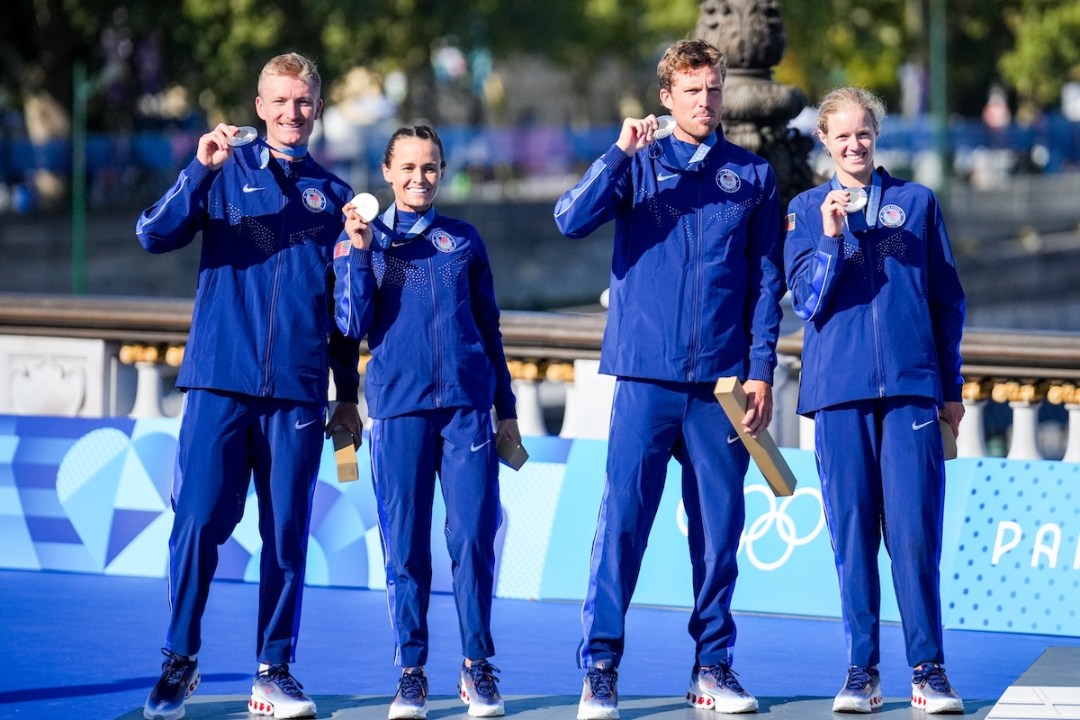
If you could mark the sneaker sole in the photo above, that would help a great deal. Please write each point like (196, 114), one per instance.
(408, 714)
(612, 714)
(261, 706)
(849, 705)
(706, 702)
(952, 707)
(192, 687)
(158, 716)
(850, 708)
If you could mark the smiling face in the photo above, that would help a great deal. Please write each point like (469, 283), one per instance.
(414, 172)
(695, 99)
(289, 106)
(850, 136)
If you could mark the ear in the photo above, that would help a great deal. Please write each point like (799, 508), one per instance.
(665, 98)
(259, 108)
(318, 108)
(386, 174)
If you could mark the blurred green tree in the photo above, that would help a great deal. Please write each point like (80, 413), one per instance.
(1045, 54)
(214, 48)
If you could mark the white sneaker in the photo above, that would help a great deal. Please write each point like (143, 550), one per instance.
(715, 687)
(931, 691)
(599, 696)
(276, 693)
(861, 692)
(410, 702)
(478, 690)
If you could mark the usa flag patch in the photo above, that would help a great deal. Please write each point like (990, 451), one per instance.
(789, 222)
(342, 249)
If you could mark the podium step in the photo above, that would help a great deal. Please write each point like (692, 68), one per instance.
(1050, 688)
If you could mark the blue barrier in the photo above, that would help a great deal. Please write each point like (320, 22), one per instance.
(92, 496)
(532, 150)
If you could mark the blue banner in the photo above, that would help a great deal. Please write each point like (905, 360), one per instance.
(93, 496)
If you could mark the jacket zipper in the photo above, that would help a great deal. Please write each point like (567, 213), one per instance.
(879, 361)
(436, 340)
(274, 294)
(696, 316)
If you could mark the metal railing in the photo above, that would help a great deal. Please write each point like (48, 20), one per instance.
(553, 356)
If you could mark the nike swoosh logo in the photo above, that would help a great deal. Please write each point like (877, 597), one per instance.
(474, 447)
(732, 439)
(661, 177)
(250, 189)
(301, 426)
(398, 244)
(920, 426)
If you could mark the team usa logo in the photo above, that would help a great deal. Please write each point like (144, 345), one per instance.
(892, 216)
(728, 181)
(314, 200)
(443, 241)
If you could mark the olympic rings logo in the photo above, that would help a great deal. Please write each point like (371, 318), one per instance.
(776, 515)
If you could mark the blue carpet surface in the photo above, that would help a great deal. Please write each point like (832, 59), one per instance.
(88, 646)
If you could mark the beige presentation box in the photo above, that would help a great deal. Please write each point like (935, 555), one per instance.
(729, 392)
(948, 440)
(345, 455)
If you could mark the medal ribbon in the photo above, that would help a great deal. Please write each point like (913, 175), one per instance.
(386, 223)
(866, 218)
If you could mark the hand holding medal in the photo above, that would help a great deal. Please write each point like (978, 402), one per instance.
(365, 208)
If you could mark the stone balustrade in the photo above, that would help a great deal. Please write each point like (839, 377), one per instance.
(100, 356)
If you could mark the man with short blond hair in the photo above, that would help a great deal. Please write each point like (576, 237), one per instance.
(255, 371)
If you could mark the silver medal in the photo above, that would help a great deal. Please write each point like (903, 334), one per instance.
(245, 134)
(367, 206)
(857, 200)
(665, 126)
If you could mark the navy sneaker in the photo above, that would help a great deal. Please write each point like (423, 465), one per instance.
(179, 678)
(410, 703)
(861, 692)
(477, 689)
(599, 696)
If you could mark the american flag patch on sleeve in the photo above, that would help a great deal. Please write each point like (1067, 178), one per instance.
(789, 222)
(342, 249)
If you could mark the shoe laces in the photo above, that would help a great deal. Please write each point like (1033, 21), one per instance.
(279, 675)
(602, 681)
(483, 677)
(725, 676)
(934, 675)
(411, 686)
(858, 677)
(174, 666)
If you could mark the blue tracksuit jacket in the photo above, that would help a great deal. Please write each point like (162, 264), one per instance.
(883, 307)
(696, 271)
(263, 303)
(428, 309)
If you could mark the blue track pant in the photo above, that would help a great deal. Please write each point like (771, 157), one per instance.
(225, 440)
(882, 473)
(407, 452)
(651, 422)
